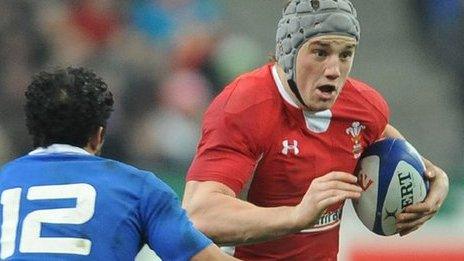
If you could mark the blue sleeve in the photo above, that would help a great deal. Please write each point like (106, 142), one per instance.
(168, 231)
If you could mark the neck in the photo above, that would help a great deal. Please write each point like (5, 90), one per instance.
(90, 150)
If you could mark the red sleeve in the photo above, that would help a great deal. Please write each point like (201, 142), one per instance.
(232, 140)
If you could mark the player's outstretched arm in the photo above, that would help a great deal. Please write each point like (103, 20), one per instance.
(214, 210)
(416, 215)
(212, 253)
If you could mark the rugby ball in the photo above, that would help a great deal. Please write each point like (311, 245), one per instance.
(392, 175)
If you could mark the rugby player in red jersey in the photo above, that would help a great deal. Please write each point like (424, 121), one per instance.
(279, 145)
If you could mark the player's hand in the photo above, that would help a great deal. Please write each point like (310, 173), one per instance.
(414, 216)
(323, 192)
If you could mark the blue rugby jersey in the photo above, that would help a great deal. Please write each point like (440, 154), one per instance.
(62, 203)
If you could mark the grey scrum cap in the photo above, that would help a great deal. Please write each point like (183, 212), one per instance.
(304, 19)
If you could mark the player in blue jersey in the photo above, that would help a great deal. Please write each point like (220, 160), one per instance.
(62, 202)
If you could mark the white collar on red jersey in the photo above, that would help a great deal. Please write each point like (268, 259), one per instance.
(59, 148)
(281, 88)
(317, 122)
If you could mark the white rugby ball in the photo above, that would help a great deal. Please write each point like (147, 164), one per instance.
(392, 175)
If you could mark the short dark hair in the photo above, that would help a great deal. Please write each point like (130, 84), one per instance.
(66, 106)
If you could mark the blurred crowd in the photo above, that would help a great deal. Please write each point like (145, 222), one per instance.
(442, 27)
(164, 61)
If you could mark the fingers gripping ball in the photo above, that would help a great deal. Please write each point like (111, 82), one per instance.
(392, 175)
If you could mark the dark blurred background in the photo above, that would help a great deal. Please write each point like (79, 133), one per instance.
(166, 59)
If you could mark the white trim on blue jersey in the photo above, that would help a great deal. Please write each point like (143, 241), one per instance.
(59, 148)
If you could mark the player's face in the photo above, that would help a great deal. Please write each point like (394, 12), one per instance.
(322, 65)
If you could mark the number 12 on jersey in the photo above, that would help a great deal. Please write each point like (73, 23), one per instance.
(30, 240)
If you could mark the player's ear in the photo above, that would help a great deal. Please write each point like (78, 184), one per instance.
(96, 140)
(101, 134)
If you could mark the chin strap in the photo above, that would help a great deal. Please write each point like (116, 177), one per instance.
(295, 91)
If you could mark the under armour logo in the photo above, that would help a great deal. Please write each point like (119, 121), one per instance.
(287, 147)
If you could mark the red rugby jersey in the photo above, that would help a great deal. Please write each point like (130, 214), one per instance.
(253, 134)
